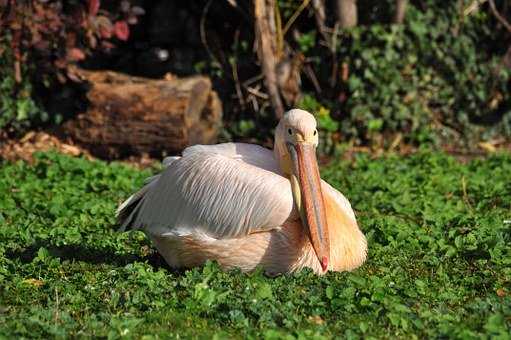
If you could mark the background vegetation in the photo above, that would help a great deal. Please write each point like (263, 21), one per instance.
(442, 76)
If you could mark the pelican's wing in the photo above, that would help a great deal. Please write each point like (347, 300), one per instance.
(226, 191)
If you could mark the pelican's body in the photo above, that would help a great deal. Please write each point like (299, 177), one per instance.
(246, 206)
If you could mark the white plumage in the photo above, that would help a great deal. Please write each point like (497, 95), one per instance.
(224, 190)
(237, 203)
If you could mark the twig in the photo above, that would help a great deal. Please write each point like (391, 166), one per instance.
(335, 66)
(232, 3)
(465, 195)
(473, 7)
(235, 5)
(203, 31)
(255, 104)
(499, 17)
(295, 15)
(56, 315)
(312, 76)
(335, 34)
(319, 14)
(237, 86)
(330, 42)
(234, 67)
(506, 59)
(257, 93)
(253, 80)
(399, 16)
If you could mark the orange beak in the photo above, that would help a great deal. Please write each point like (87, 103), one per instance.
(309, 199)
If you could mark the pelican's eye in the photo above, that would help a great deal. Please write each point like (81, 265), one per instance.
(315, 132)
(290, 131)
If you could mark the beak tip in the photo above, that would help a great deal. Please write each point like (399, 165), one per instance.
(324, 263)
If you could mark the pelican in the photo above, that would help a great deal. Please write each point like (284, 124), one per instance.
(245, 206)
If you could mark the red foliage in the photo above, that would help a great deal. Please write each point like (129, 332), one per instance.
(54, 34)
(75, 54)
(93, 7)
(122, 31)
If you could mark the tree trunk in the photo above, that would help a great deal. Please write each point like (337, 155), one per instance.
(347, 13)
(399, 16)
(132, 115)
(266, 35)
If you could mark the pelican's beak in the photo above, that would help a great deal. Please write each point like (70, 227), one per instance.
(306, 186)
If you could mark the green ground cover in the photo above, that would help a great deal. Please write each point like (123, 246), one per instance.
(439, 260)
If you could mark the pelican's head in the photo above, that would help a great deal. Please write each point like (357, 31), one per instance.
(296, 139)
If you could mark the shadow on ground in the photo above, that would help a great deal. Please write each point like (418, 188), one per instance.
(89, 255)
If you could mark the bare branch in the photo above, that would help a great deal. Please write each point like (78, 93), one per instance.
(347, 13)
(399, 16)
(295, 15)
(499, 17)
(319, 14)
(309, 72)
(234, 67)
(474, 6)
(235, 5)
(203, 31)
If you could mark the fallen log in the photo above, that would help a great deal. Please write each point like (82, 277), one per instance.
(131, 115)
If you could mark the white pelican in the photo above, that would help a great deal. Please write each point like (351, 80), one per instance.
(246, 206)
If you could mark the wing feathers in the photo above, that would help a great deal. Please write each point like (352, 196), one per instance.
(127, 211)
(222, 196)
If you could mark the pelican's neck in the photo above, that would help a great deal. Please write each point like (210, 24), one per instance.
(280, 151)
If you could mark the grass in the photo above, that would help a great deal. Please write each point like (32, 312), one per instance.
(439, 260)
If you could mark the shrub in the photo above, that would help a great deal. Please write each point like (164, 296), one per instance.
(437, 76)
(17, 107)
(38, 42)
